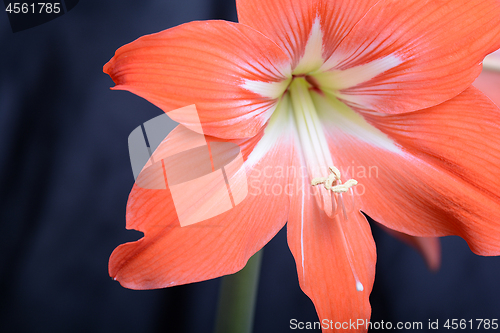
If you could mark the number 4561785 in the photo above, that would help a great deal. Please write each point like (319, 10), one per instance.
(487, 324)
(33, 8)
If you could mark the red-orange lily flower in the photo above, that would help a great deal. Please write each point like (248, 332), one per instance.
(380, 86)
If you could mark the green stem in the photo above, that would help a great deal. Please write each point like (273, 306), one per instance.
(237, 296)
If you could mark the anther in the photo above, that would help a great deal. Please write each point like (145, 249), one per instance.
(334, 177)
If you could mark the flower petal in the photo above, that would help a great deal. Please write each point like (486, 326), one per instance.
(290, 23)
(442, 181)
(173, 253)
(221, 67)
(329, 252)
(439, 46)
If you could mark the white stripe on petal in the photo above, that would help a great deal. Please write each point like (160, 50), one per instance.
(269, 89)
(313, 54)
(334, 113)
(335, 80)
(272, 90)
(279, 125)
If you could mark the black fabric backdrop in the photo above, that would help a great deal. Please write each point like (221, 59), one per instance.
(65, 176)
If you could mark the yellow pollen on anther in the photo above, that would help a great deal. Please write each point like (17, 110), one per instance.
(334, 177)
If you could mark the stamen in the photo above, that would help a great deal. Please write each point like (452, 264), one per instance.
(335, 171)
(334, 177)
(337, 190)
(342, 188)
(311, 137)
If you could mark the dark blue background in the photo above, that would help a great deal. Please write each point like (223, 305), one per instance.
(65, 176)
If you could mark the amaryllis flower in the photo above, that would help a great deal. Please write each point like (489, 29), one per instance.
(322, 92)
